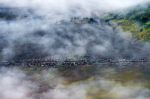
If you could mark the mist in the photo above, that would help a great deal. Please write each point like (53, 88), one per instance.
(32, 29)
(49, 85)
(44, 29)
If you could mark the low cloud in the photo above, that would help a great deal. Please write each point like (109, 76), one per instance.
(50, 28)
(44, 28)
(17, 85)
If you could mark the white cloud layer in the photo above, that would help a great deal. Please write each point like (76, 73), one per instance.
(45, 28)
(65, 7)
(17, 85)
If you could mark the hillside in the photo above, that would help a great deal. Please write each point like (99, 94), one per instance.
(136, 21)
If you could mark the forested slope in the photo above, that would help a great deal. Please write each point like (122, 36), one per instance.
(136, 21)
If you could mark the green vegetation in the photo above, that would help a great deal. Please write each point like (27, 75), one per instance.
(129, 26)
(136, 21)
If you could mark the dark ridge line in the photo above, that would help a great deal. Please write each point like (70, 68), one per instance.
(57, 63)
